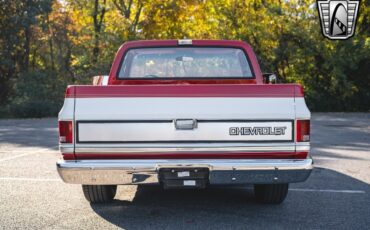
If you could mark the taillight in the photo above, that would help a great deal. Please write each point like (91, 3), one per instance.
(303, 130)
(65, 132)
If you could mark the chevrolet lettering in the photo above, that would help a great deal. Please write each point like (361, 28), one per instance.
(257, 130)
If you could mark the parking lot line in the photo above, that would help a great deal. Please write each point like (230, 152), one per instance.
(24, 154)
(291, 189)
(17, 156)
(30, 179)
(326, 190)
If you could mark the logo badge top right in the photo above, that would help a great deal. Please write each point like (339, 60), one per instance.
(338, 18)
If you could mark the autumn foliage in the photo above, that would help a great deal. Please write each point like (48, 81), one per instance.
(47, 44)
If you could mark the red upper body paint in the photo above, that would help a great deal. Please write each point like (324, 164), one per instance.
(196, 90)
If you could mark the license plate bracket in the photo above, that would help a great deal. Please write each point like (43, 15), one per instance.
(184, 177)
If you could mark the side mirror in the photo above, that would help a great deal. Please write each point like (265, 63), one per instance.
(100, 80)
(269, 78)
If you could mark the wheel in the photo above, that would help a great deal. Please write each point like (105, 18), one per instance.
(99, 193)
(271, 193)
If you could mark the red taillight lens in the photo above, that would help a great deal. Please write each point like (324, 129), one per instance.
(303, 130)
(65, 132)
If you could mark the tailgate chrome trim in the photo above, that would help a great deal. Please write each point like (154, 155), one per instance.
(182, 149)
(189, 147)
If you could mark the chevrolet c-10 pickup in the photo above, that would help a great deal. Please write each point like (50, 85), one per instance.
(185, 114)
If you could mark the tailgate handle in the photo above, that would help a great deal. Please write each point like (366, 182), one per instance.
(185, 124)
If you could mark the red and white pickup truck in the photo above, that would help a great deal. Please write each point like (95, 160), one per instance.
(185, 114)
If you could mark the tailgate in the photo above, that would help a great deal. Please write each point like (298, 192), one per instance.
(124, 119)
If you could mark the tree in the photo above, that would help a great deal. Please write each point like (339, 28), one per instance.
(47, 44)
(17, 21)
(131, 11)
(98, 17)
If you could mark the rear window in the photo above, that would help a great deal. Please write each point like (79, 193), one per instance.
(185, 62)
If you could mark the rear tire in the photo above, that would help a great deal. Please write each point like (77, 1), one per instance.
(99, 193)
(271, 193)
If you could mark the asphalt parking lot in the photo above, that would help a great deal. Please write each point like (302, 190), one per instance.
(337, 195)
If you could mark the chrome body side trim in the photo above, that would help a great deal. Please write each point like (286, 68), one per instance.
(233, 171)
(182, 150)
(66, 148)
(302, 148)
(187, 147)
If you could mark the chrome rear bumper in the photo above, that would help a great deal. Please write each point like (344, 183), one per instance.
(221, 171)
